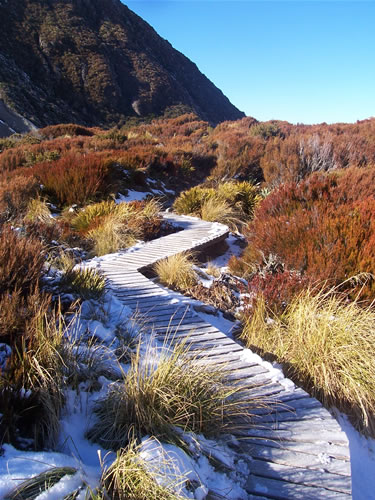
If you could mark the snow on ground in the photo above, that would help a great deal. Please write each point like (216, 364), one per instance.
(132, 196)
(233, 241)
(362, 458)
(17, 466)
(175, 466)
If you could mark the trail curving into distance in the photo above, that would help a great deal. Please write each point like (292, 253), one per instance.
(297, 450)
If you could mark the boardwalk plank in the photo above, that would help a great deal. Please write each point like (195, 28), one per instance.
(282, 490)
(324, 451)
(309, 477)
(293, 458)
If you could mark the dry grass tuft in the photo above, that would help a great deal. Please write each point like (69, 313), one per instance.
(213, 270)
(129, 478)
(217, 210)
(168, 389)
(31, 394)
(38, 211)
(112, 226)
(110, 237)
(177, 271)
(232, 203)
(87, 283)
(328, 345)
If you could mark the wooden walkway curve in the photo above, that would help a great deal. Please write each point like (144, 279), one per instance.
(295, 451)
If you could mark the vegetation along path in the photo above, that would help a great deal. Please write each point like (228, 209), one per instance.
(296, 449)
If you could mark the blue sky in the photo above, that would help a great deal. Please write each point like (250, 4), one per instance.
(306, 62)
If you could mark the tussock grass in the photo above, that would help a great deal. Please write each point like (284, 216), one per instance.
(32, 488)
(31, 394)
(87, 283)
(165, 390)
(64, 261)
(244, 196)
(91, 213)
(110, 236)
(213, 270)
(106, 225)
(38, 211)
(177, 271)
(232, 203)
(217, 210)
(112, 226)
(328, 345)
(189, 202)
(128, 478)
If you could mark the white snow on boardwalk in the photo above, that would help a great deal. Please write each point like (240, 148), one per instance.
(297, 449)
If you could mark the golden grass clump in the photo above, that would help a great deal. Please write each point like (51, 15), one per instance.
(217, 210)
(232, 203)
(213, 270)
(243, 196)
(31, 394)
(38, 211)
(129, 478)
(167, 389)
(92, 214)
(112, 226)
(189, 202)
(87, 283)
(177, 271)
(328, 346)
(110, 236)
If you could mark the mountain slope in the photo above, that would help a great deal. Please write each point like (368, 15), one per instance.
(95, 62)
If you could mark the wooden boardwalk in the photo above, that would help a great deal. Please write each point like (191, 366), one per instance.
(297, 450)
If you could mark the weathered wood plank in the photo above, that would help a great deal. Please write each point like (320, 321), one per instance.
(282, 490)
(324, 451)
(191, 339)
(293, 458)
(314, 411)
(303, 434)
(309, 477)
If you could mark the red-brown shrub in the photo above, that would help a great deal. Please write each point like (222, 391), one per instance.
(15, 193)
(311, 229)
(277, 290)
(11, 159)
(72, 129)
(21, 261)
(281, 162)
(73, 178)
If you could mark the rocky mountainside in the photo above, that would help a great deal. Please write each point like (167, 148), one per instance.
(93, 62)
